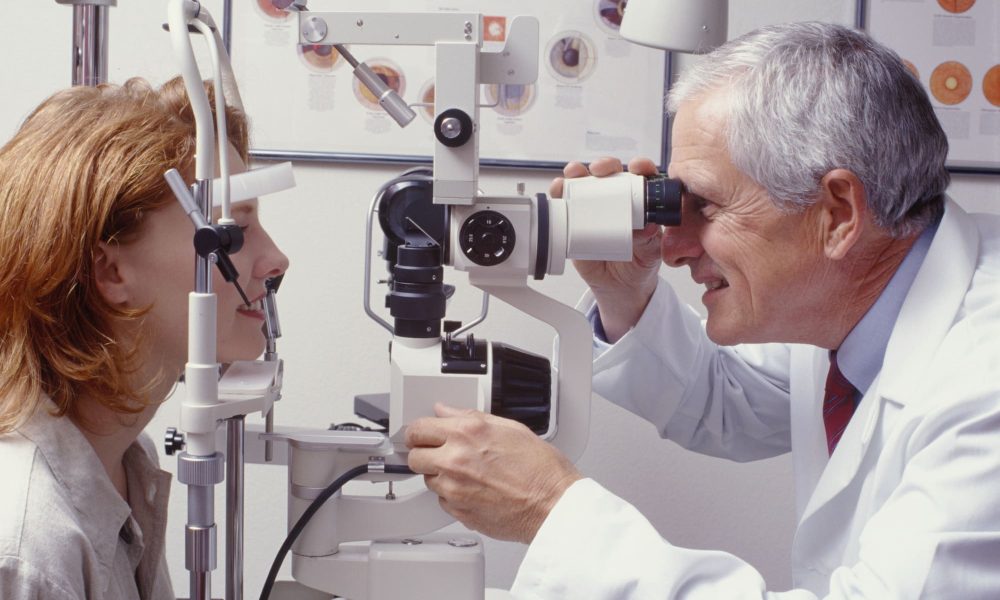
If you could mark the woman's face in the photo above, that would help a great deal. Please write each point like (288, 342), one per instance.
(159, 266)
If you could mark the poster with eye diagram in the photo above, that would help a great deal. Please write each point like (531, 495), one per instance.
(596, 94)
(953, 47)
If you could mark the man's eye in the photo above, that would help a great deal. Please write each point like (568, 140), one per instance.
(701, 205)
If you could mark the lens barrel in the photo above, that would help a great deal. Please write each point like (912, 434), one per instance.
(417, 296)
(663, 201)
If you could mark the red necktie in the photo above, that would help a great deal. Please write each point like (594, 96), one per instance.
(838, 404)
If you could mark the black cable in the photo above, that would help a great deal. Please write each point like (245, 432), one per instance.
(296, 529)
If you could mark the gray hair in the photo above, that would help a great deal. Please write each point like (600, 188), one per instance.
(807, 98)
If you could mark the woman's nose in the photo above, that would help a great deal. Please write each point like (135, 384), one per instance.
(272, 261)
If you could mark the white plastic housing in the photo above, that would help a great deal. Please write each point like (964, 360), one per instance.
(695, 26)
(255, 183)
(601, 213)
(417, 384)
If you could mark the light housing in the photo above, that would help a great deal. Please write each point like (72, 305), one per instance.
(694, 26)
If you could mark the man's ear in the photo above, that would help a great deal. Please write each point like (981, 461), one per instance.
(107, 274)
(843, 206)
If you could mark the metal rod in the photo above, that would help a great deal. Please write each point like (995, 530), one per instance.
(227, 26)
(90, 44)
(199, 540)
(201, 585)
(269, 428)
(235, 431)
(202, 191)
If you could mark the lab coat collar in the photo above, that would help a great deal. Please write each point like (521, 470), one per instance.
(862, 352)
(931, 305)
(924, 319)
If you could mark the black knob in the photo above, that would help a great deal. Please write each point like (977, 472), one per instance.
(453, 128)
(487, 238)
(173, 441)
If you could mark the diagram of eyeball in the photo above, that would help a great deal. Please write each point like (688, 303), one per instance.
(427, 100)
(991, 85)
(389, 73)
(318, 58)
(956, 6)
(571, 57)
(951, 82)
(273, 10)
(609, 14)
(508, 99)
(494, 28)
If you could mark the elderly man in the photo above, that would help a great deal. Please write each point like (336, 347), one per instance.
(853, 321)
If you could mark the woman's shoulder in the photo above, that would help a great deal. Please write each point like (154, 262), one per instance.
(40, 523)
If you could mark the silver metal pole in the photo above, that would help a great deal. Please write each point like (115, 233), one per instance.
(235, 430)
(202, 191)
(200, 474)
(227, 26)
(90, 44)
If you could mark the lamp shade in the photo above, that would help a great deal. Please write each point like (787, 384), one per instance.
(695, 26)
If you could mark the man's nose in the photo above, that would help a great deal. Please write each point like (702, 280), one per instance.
(681, 244)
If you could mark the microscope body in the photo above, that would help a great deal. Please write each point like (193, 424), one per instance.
(500, 242)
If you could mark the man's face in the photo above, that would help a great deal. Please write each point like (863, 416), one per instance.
(760, 266)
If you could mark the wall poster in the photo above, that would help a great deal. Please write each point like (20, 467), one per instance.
(953, 47)
(596, 94)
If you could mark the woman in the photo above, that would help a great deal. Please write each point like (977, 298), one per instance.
(96, 262)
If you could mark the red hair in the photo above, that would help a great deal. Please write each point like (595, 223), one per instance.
(85, 167)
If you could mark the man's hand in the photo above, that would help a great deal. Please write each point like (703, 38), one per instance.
(492, 474)
(622, 289)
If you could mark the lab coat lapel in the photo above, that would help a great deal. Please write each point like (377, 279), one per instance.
(924, 319)
(842, 467)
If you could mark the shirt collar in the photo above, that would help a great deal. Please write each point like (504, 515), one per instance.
(76, 467)
(861, 354)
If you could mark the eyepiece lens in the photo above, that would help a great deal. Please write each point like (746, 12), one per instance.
(663, 201)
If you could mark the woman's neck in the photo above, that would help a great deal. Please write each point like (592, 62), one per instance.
(111, 433)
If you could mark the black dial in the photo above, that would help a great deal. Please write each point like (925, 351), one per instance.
(487, 238)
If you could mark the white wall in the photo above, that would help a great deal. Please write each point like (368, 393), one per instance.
(332, 351)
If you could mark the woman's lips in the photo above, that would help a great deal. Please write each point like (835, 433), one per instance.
(252, 313)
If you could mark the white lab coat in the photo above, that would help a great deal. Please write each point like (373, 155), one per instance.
(908, 506)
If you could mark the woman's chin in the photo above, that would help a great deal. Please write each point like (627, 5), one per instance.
(246, 351)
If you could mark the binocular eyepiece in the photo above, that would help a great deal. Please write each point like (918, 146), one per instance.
(652, 199)
(662, 201)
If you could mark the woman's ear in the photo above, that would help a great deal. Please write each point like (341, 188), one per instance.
(107, 274)
(844, 208)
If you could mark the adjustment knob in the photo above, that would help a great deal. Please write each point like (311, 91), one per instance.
(173, 441)
(487, 238)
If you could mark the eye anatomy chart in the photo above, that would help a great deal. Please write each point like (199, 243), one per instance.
(953, 48)
(596, 94)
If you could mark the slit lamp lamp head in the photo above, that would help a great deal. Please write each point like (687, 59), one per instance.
(694, 26)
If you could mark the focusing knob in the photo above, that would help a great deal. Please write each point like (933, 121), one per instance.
(453, 127)
(487, 238)
(173, 441)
